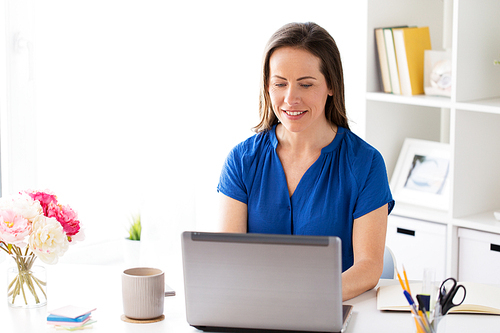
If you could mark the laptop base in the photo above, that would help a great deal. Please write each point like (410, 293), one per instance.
(346, 309)
(248, 330)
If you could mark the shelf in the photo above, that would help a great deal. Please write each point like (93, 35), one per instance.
(483, 222)
(419, 100)
(469, 30)
(491, 105)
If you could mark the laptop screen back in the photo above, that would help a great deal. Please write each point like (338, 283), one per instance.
(261, 281)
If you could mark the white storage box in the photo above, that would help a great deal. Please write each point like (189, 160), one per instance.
(417, 245)
(478, 256)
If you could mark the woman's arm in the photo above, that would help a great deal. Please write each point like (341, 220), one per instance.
(233, 215)
(368, 241)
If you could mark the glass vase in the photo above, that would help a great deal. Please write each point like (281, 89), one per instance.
(26, 283)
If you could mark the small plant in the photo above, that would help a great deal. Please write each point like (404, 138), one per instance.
(135, 228)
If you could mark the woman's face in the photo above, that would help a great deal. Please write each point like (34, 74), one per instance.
(298, 89)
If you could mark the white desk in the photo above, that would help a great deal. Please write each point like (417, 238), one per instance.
(100, 286)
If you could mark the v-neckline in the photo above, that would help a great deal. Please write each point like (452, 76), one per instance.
(328, 148)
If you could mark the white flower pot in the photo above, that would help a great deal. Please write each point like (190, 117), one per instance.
(131, 252)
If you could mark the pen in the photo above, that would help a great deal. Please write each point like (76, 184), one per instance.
(413, 309)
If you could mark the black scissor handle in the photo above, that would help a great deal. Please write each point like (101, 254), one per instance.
(443, 293)
(455, 291)
(448, 302)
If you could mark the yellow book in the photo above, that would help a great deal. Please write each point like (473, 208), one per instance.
(410, 44)
(480, 298)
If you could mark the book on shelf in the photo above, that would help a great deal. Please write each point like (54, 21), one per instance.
(391, 60)
(410, 45)
(382, 58)
(480, 298)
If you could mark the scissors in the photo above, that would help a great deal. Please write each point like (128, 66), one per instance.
(447, 293)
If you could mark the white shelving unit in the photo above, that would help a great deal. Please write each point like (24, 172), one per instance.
(469, 120)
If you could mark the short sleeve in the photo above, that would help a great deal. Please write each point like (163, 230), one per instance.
(231, 178)
(374, 191)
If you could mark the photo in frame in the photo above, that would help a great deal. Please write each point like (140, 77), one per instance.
(422, 173)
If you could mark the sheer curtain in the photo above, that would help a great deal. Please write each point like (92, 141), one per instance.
(139, 102)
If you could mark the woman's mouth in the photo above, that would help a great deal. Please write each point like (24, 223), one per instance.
(294, 113)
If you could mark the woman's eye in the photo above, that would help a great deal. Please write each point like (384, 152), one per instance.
(306, 85)
(280, 85)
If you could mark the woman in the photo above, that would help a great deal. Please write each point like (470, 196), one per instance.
(305, 172)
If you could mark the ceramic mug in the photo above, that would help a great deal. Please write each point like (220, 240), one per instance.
(143, 291)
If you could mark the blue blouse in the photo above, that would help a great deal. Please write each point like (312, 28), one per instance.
(347, 181)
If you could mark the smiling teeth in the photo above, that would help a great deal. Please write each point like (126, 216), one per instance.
(294, 113)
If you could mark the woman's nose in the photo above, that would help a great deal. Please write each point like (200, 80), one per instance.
(292, 96)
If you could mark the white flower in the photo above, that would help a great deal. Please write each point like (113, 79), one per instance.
(48, 240)
(22, 204)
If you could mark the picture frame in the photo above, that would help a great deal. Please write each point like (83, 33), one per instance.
(422, 172)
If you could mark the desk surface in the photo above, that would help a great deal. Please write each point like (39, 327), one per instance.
(100, 286)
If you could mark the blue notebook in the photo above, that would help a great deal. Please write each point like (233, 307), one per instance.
(52, 317)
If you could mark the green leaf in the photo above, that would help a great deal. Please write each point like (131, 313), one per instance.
(135, 228)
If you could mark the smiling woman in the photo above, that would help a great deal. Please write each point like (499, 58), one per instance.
(305, 172)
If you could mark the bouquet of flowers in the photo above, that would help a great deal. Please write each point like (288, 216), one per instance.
(33, 224)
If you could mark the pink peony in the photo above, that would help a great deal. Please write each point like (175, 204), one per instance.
(66, 216)
(44, 198)
(13, 228)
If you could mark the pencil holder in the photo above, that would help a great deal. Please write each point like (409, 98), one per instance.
(420, 324)
(439, 323)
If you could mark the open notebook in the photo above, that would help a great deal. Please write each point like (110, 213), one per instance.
(264, 282)
(480, 298)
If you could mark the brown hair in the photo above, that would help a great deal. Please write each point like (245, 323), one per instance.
(316, 40)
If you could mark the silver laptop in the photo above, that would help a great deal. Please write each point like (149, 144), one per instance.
(263, 282)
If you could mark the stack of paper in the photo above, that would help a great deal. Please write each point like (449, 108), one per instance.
(71, 317)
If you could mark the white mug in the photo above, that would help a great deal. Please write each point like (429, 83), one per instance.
(143, 291)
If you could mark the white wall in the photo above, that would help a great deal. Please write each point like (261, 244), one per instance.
(139, 102)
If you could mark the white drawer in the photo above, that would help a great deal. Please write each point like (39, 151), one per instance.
(478, 256)
(417, 245)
